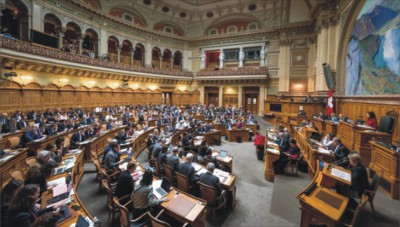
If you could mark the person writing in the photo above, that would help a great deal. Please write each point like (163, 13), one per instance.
(371, 120)
(125, 183)
(292, 154)
(209, 179)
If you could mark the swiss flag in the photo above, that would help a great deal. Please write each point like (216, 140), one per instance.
(329, 108)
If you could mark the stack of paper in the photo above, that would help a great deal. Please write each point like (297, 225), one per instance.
(57, 181)
(275, 151)
(341, 174)
(60, 189)
(196, 166)
(324, 151)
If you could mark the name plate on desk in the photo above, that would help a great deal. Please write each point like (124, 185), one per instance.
(341, 174)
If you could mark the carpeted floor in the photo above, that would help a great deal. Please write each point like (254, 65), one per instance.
(259, 203)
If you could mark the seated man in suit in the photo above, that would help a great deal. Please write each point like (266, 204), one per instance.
(113, 159)
(121, 137)
(10, 126)
(339, 151)
(22, 123)
(125, 183)
(29, 136)
(52, 130)
(173, 159)
(157, 148)
(284, 142)
(208, 156)
(162, 158)
(209, 179)
(187, 169)
(77, 138)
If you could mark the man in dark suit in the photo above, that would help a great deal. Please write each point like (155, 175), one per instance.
(52, 130)
(121, 137)
(187, 169)
(209, 179)
(9, 126)
(340, 151)
(22, 123)
(284, 144)
(173, 159)
(29, 136)
(77, 138)
(162, 158)
(157, 148)
(125, 183)
(90, 120)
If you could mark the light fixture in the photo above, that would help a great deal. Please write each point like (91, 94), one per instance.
(26, 79)
(153, 87)
(90, 83)
(63, 80)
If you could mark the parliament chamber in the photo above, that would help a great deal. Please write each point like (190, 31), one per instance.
(199, 113)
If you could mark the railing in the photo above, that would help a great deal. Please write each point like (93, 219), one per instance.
(29, 48)
(225, 72)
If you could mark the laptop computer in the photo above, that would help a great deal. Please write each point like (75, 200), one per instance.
(163, 189)
(129, 158)
(223, 154)
(81, 222)
(60, 169)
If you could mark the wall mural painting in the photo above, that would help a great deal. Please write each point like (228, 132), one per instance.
(373, 54)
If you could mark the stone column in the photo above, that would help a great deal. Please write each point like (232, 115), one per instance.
(322, 52)
(202, 60)
(220, 95)
(240, 96)
(118, 47)
(132, 56)
(80, 45)
(60, 39)
(241, 57)
(261, 100)
(172, 63)
(148, 56)
(202, 95)
(161, 58)
(221, 59)
(284, 65)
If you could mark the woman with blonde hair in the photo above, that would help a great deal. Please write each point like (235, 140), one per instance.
(359, 176)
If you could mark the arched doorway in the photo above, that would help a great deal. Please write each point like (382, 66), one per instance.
(177, 60)
(15, 20)
(90, 43)
(155, 59)
(113, 45)
(139, 55)
(52, 24)
(166, 59)
(71, 38)
(126, 52)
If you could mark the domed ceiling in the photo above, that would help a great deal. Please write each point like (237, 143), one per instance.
(205, 17)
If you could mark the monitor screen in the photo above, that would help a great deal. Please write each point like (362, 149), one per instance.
(386, 124)
(275, 107)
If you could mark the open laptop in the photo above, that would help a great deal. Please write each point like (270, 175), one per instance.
(163, 189)
(60, 169)
(129, 158)
(223, 154)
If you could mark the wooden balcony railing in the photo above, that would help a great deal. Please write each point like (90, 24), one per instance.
(230, 72)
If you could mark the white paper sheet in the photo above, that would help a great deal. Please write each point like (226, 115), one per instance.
(341, 174)
(59, 189)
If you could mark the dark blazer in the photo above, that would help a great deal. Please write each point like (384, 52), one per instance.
(187, 169)
(173, 161)
(121, 139)
(90, 120)
(359, 179)
(26, 217)
(22, 124)
(284, 145)
(76, 139)
(211, 180)
(124, 184)
(340, 152)
(162, 159)
(50, 131)
(28, 137)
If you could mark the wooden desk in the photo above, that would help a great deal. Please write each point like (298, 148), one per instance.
(220, 127)
(320, 124)
(329, 180)
(77, 173)
(271, 154)
(383, 158)
(331, 127)
(41, 144)
(97, 144)
(152, 123)
(235, 133)
(322, 205)
(213, 137)
(252, 127)
(196, 216)
(17, 161)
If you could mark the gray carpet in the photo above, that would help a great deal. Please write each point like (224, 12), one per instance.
(259, 203)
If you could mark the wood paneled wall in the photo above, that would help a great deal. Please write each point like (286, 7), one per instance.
(33, 96)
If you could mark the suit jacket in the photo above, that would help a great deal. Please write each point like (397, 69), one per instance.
(90, 120)
(359, 179)
(340, 152)
(284, 145)
(211, 180)
(22, 124)
(27, 137)
(121, 139)
(173, 161)
(50, 131)
(187, 169)
(76, 139)
(124, 185)
(162, 159)
(156, 150)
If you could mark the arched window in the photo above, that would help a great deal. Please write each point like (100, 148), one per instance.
(213, 31)
(232, 29)
(252, 26)
(168, 29)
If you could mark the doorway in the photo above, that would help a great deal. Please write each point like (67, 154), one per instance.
(251, 103)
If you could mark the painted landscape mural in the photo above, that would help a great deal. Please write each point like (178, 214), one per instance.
(373, 54)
